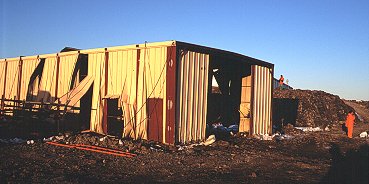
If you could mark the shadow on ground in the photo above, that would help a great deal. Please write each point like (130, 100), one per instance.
(352, 167)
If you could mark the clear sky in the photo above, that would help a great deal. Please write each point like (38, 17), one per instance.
(315, 44)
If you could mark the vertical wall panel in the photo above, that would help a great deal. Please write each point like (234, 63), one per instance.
(192, 97)
(151, 84)
(262, 93)
(66, 68)
(122, 71)
(96, 68)
(12, 78)
(48, 84)
(28, 67)
(46, 91)
(2, 76)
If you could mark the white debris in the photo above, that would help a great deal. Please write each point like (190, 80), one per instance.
(326, 129)
(282, 137)
(30, 141)
(120, 142)
(363, 134)
(211, 139)
(309, 129)
(267, 137)
(103, 138)
(54, 138)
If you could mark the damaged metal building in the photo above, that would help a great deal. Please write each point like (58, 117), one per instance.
(162, 91)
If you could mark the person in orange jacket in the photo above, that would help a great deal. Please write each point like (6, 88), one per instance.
(281, 80)
(350, 120)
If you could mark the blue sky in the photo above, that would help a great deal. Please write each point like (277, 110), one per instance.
(315, 44)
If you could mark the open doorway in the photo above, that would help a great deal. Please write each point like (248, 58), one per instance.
(229, 96)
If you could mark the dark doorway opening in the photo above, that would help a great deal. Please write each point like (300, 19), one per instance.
(229, 96)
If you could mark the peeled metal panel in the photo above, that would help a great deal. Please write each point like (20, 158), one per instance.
(47, 87)
(56, 77)
(122, 71)
(74, 96)
(261, 105)
(28, 67)
(192, 97)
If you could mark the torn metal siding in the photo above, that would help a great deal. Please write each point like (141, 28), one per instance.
(261, 101)
(47, 84)
(122, 70)
(29, 65)
(56, 76)
(192, 92)
(133, 81)
(96, 69)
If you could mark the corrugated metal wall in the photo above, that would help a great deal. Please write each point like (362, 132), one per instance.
(96, 69)
(245, 106)
(122, 71)
(192, 96)
(29, 65)
(134, 75)
(54, 77)
(47, 84)
(66, 68)
(261, 99)
(151, 84)
(2, 76)
(12, 76)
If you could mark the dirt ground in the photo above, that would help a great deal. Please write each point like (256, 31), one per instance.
(300, 157)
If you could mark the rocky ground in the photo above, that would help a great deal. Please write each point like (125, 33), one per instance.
(296, 157)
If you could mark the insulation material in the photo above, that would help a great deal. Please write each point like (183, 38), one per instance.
(96, 69)
(29, 65)
(122, 72)
(262, 96)
(151, 84)
(192, 97)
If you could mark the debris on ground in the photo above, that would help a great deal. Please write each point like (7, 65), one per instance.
(309, 129)
(363, 134)
(210, 140)
(289, 155)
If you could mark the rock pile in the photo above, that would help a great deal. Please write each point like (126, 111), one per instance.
(312, 108)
